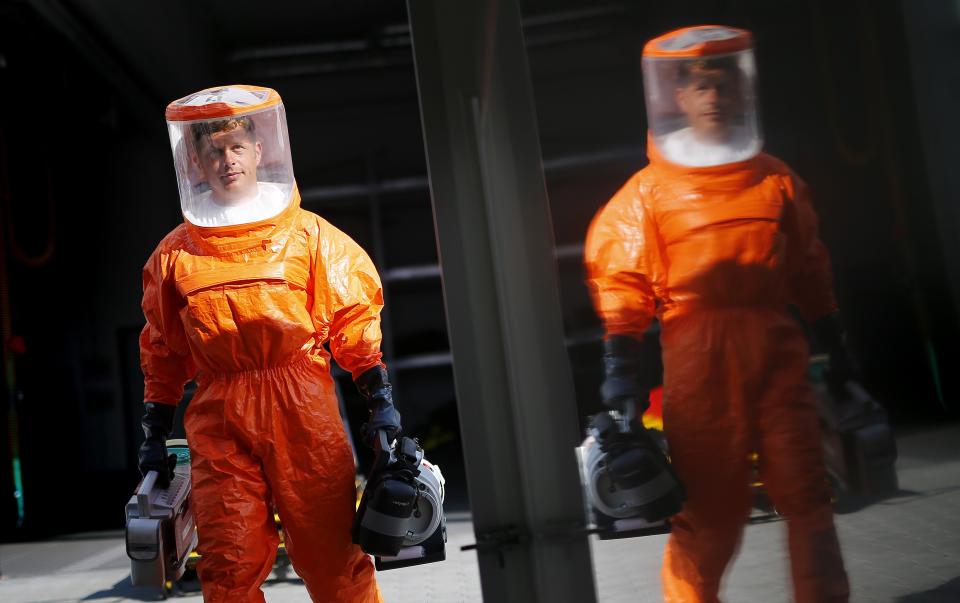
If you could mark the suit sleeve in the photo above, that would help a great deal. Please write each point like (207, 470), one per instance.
(620, 255)
(164, 355)
(349, 297)
(809, 273)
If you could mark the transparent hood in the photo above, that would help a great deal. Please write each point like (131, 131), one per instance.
(232, 158)
(703, 110)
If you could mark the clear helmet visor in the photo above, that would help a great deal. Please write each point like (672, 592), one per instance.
(231, 151)
(702, 110)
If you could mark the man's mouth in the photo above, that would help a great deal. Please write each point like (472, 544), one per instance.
(230, 177)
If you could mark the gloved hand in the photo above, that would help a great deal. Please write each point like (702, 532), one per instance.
(612, 436)
(635, 459)
(157, 424)
(843, 367)
(623, 363)
(375, 387)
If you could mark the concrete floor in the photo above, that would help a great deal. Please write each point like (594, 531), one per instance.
(904, 550)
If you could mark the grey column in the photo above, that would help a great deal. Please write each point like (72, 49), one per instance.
(515, 395)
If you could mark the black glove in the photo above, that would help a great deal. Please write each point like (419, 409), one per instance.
(623, 363)
(843, 366)
(157, 424)
(634, 459)
(375, 387)
(611, 437)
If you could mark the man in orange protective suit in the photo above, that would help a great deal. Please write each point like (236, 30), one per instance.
(715, 238)
(242, 297)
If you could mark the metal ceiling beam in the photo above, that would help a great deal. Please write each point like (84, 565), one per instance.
(150, 53)
(138, 97)
(541, 30)
(342, 192)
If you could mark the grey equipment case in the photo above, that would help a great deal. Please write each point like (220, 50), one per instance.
(160, 530)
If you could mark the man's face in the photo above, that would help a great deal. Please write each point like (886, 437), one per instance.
(229, 160)
(710, 99)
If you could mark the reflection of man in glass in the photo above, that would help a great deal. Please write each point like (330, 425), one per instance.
(709, 94)
(715, 238)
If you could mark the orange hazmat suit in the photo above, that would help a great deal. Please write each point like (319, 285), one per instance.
(716, 254)
(246, 310)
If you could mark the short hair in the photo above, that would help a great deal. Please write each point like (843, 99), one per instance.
(687, 69)
(204, 129)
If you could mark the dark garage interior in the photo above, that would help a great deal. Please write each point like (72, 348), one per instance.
(856, 96)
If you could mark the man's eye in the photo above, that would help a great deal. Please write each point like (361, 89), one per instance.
(238, 148)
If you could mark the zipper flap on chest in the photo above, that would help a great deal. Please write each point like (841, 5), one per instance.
(764, 203)
(229, 274)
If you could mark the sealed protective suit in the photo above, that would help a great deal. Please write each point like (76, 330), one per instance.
(715, 238)
(242, 297)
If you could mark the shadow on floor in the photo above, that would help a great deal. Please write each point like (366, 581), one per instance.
(948, 592)
(851, 503)
(848, 503)
(189, 586)
(123, 589)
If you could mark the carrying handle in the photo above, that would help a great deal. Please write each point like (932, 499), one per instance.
(143, 493)
(382, 452)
